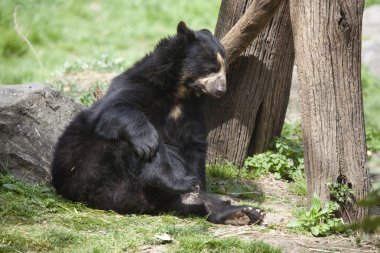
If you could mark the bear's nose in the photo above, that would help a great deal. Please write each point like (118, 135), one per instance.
(221, 86)
(221, 89)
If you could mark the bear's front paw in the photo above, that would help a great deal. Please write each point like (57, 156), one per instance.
(145, 145)
(245, 215)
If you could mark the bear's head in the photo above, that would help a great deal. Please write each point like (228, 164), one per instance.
(204, 66)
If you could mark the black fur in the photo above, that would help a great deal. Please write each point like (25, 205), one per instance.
(134, 152)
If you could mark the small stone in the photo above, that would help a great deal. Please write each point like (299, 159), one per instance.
(165, 238)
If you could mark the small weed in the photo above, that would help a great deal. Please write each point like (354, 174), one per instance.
(317, 220)
(340, 193)
(298, 185)
(292, 131)
(223, 171)
(289, 147)
(284, 160)
(85, 96)
(279, 165)
(87, 99)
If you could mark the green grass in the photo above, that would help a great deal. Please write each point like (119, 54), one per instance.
(298, 185)
(34, 218)
(371, 2)
(67, 30)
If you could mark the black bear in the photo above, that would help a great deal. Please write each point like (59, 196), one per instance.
(142, 147)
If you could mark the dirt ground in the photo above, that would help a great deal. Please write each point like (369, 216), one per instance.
(274, 231)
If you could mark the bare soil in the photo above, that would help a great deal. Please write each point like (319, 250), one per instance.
(280, 203)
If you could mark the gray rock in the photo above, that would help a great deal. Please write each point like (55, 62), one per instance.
(371, 39)
(32, 116)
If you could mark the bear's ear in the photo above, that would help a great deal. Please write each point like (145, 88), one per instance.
(206, 31)
(184, 31)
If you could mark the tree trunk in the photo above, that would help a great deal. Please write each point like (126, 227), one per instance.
(327, 38)
(253, 110)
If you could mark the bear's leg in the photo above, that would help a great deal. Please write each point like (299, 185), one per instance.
(167, 172)
(120, 196)
(123, 121)
(196, 160)
(215, 209)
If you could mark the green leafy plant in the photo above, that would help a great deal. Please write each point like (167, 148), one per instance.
(340, 193)
(284, 160)
(87, 99)
(292, 131)
(292, 148)
(279, 165)
(318, 220)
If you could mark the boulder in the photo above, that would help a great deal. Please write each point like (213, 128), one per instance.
(32, 116)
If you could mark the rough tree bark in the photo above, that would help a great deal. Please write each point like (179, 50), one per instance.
(328, 47)
(253, 110)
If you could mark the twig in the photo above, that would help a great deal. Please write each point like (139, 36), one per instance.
(319, 250)
(347, 213)
(19, 32)
(349, 249)
(240, 193)
(335, 242)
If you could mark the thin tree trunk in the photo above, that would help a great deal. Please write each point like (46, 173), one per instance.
(328, 47)
(253, 110)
